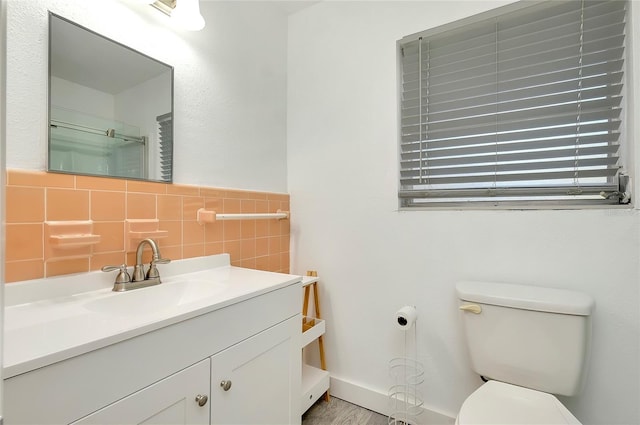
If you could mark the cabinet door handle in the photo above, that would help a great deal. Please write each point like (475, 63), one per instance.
(226, 385)
(201, 399)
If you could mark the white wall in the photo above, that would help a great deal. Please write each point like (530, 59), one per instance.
(3, 63)
(70, 95)
(230, 82)
(372, 259)
(156, 93)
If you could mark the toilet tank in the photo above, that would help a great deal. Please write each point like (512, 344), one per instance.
(530, 336)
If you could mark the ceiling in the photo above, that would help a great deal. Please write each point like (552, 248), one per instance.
(88, 59)
(293, 6)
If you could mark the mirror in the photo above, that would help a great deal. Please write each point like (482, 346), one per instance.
(110, 107)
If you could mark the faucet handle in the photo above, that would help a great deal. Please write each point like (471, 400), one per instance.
(123, 275)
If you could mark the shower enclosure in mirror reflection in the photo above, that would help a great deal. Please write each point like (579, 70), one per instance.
(110, 107)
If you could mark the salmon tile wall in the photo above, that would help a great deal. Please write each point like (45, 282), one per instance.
(34, 198)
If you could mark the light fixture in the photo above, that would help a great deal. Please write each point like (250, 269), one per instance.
(186, 13)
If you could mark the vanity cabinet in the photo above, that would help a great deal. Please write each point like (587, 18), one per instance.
(251, 381)
(169, 401)
(253, 345)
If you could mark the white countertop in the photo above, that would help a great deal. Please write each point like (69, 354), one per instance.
(49, 320)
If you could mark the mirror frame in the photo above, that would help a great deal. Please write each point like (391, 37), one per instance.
(170, 68)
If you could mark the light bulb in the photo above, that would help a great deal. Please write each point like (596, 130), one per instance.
(187, 15)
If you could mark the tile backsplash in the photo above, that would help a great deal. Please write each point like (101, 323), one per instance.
(37, 202)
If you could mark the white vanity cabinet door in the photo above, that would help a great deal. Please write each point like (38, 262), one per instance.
(257, 381)
(170, 401)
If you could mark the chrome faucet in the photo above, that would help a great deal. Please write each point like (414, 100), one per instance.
(139, 279)
(138, 270)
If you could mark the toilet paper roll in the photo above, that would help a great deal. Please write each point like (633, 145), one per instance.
(406, 317)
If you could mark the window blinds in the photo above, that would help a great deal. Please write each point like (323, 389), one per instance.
(165, 126)
(525, 106)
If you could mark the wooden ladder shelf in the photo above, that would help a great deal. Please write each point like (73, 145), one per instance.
(315, 381)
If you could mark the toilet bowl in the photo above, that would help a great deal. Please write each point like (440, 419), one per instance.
(528, 343)
(497, 403)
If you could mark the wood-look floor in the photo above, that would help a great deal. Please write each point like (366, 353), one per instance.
(340, 412)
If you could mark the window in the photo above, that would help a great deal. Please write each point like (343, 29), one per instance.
(523, 107)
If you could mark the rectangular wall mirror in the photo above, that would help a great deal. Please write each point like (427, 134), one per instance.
(110, 107)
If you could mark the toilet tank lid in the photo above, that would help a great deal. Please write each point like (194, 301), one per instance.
(526, 297)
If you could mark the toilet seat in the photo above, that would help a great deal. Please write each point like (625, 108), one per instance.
(499, 403)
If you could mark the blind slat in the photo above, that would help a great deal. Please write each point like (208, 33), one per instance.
(413, 160)
(611, 70)
(553, 116)
(596, 86)
(417, 150)
(513, 177)
(593, 98)
(472, 171)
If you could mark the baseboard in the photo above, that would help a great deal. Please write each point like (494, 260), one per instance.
(379, 402)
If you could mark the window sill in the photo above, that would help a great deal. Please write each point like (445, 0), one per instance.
(481, 206)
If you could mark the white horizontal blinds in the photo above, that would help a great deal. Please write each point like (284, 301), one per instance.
(526, 106)
(165, 127)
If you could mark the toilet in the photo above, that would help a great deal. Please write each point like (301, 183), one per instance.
(528, 343)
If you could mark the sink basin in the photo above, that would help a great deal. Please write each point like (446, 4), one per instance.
(54, 319)
(154, 299)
